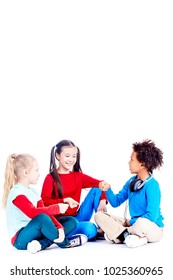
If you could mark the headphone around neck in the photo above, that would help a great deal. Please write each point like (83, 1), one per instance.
(137, 184)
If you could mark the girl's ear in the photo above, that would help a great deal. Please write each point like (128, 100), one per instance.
(57, 156)
(25, 171)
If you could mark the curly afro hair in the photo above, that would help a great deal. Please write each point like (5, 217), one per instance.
(148, 154)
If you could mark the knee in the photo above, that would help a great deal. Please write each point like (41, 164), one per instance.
(141, 223)
(139, 227)
(87, 228)
(72, 221)
(42, 217)
(99, 216)
(95, 191)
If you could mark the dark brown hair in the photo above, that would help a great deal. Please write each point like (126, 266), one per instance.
(148, 154)
(53, 169)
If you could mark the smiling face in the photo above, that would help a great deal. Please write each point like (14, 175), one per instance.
(67, 159)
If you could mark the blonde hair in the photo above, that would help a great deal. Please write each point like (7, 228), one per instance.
(14, 165)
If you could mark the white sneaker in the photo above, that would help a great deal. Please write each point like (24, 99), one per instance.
(34, 246)
(77, 240)
(133, 241)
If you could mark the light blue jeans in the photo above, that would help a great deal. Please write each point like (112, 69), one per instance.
(86, 210)
(42, 228)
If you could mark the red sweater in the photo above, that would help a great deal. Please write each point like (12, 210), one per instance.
(72, 183)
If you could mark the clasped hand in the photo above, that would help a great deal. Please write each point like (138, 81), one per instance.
(104, 186)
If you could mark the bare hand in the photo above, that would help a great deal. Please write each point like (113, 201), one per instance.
(102, 205)
(126, 223)
(63, 207)
(72, 203)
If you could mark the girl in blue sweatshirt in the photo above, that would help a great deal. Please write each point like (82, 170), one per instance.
(142, 195)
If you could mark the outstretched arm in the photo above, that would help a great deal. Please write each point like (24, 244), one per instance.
(23, 203)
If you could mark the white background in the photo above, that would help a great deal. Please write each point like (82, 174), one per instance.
(100, 74)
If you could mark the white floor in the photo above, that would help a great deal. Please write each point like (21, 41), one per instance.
(93, 256)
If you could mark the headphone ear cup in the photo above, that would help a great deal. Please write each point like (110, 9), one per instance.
(136, 185)
(132, 186)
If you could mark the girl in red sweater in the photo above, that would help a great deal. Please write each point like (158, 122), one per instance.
(64, 184)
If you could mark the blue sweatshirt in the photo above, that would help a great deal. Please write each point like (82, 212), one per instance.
(144, 203)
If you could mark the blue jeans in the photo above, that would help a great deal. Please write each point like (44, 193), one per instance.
(86, 210)
(42, 228)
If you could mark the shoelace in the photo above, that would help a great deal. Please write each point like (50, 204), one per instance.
(75, 241)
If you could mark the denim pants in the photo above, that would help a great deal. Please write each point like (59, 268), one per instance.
(84, 215)
(42, 228)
